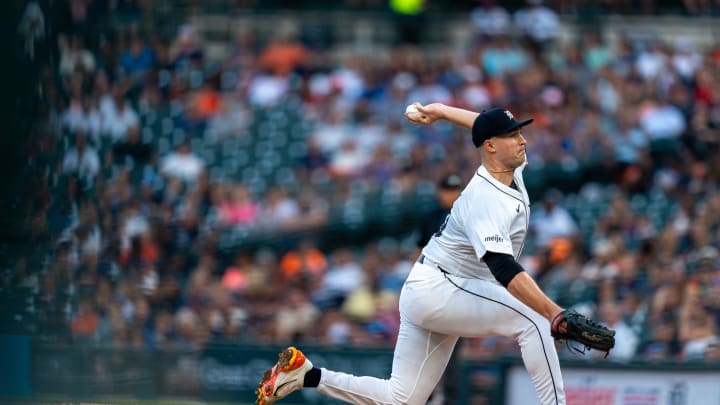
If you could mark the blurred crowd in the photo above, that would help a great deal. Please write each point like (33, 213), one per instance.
(135, 225)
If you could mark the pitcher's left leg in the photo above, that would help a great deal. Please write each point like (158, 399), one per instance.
(418, 363)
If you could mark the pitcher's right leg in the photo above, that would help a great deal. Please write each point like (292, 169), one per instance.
(481, 308)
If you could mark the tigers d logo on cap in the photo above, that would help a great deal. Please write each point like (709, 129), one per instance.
(495, 122)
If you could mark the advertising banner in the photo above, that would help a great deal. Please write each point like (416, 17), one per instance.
(623, 387)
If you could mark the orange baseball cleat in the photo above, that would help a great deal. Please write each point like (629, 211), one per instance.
(286, 376)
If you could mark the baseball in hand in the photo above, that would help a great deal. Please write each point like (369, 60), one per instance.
(412, 113)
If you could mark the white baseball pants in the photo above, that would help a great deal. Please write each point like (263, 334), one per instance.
(435, 309)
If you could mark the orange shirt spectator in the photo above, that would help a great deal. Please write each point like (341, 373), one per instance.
(141, 250)
(86, 322)
(306, 259)
(282, 57)
(206, 102)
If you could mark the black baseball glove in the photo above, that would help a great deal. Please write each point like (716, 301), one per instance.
(584, 330)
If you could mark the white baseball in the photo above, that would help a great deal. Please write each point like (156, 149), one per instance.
(413, 113)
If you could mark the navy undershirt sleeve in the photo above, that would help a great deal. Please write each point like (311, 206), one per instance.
(503, 266)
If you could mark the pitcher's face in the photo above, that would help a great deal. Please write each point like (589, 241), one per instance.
(510, 148)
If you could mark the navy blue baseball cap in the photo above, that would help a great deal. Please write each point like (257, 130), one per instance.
(494, 122)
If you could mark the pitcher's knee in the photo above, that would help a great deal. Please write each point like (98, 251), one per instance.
(536, 325)
(400, 396)
(409, 401)
(408, 396)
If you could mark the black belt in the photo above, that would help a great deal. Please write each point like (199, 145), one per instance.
(431, 263)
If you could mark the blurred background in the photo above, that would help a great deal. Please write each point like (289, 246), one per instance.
(191, 185)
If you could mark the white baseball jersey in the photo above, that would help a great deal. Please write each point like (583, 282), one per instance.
(488, 216)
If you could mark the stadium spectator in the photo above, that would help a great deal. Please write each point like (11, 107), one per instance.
(138, 58)
(306, 261)
(626, 338)
(332, 131)
(348, 161)
(85, 324)
(182, 163)
(597, 54)
(278, 210)
(697, 326)
(490, 19)
(186, 52)
(539, 24)
(81, 160)
(313, 210)
(235, 278)
(428, 89)
(342, 277)
(502, 57)
(74, 56)
(283, 55)
(85, 116)
(629, 141)
(552, 221)
(133, 148)
(686, 60)
(32, 29)
(118, 116)
(237, 206)
(296, 317)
